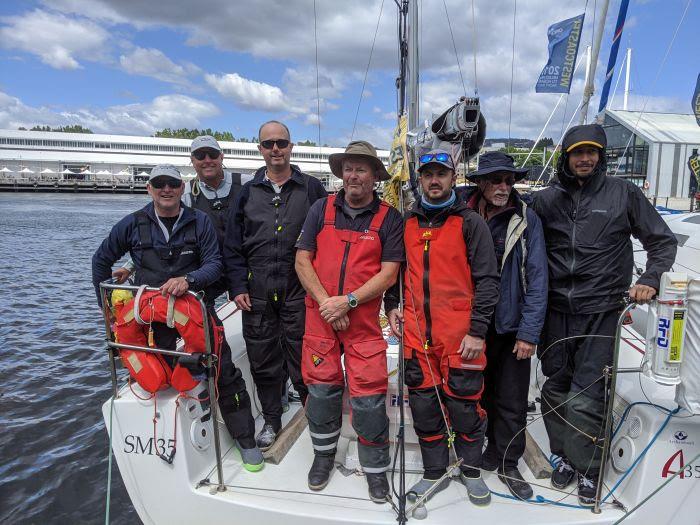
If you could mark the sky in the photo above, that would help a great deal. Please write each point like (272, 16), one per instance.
(134, 67)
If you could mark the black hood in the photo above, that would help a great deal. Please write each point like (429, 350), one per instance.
(568, 179)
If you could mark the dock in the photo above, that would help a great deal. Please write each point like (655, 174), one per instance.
(71, 186)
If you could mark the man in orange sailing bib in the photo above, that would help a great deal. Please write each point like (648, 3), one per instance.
(349, 253)
(175, 247)
(450, 291)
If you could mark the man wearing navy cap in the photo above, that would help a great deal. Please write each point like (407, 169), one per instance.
(515, 328)
(451, 288)
(588, 218)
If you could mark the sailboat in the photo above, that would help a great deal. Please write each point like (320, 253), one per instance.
(179, 464)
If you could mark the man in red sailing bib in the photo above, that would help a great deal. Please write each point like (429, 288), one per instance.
(451, 289)
(349, 253)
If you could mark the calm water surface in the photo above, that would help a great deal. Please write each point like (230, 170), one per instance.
(54, 374)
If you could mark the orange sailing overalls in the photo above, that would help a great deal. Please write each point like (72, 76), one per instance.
(344, 261)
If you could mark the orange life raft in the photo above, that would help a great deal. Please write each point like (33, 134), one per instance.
(184, 313)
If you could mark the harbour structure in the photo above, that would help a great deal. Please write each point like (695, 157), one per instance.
(652, 150)
(72, 160)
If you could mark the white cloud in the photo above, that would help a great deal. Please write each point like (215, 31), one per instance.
(249, 94)
(153, 63)
(58, 41)
(174, 111)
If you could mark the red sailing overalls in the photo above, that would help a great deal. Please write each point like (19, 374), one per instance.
(344, 261)
(437, 314)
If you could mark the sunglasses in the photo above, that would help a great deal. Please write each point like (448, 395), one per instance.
(211, 153)
(161, 182)
(496, 181)
(269, 144)
(429, 157)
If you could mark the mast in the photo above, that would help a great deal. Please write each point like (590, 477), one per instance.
(627, 78)
(413, 65)
(588, 89)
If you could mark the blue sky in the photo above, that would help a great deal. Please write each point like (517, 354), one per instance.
(132, 67)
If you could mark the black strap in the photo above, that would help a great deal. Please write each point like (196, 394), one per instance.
(144, 225)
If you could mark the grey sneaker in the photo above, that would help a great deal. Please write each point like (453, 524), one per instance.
(479, 493)
(266, 437)
(420, 488)
(252, 458)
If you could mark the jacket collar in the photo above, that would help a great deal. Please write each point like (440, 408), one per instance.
(457, 207)
(340, 199)
(188, 214)
(259, 177)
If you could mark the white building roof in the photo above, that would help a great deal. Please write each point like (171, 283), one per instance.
(659, 127)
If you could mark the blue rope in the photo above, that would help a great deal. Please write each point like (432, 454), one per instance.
(629, 407)
(539, 500)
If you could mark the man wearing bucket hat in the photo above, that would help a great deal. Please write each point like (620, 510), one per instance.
(515, 328)
(175, 248)
(451, 288)
(349, 253)
(588, 218)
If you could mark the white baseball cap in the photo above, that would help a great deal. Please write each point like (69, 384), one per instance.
(204, 141)
(165, 170)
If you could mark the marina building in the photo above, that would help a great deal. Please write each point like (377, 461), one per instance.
(41, 158)
(652, 149)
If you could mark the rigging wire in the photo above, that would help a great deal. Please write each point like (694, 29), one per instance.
(318, 93)
(653, 85)
(512, 72)
(369, 62)
(454, 46)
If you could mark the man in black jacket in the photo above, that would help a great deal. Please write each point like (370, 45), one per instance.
(588, 218)
(259, 262)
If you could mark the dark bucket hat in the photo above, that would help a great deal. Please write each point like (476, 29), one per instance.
(358, 148)
(495, 161)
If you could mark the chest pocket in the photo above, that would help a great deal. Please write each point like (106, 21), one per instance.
(599, 226)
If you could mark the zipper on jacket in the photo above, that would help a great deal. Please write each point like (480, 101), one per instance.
(570, 292)
(277, 228)
(341, 280)
(426, 293)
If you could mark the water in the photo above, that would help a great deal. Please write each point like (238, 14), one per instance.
(54, 374)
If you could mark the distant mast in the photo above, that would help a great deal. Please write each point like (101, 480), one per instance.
(413, 65)
(627, 78)
(590, 77)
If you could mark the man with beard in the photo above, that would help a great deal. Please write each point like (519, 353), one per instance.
(588, 218)
(514, 331)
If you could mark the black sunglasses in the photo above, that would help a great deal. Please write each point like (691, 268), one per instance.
(269, 144)
(161, 182)
(508, 179)
(201, 153)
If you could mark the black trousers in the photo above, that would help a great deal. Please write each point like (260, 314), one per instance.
(574, 391)
(273, 337)
(506, 384)
(234, 401)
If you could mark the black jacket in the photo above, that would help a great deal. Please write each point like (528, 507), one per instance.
(262, 229)
(587, 231)
(481, 257)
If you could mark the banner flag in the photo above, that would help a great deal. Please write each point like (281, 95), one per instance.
(564, 38)
(617, 36)
(696, 101)
(398, 163)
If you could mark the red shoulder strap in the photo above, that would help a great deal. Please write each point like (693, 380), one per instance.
(378, 218)
(329, 215)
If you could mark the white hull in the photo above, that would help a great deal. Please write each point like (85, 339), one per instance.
(163, 493)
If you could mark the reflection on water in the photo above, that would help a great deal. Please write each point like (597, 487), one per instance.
(54, 372)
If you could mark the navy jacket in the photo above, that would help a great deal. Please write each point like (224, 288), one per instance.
(124, 237)
(522, 303)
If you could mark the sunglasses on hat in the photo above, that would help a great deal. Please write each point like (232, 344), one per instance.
(201, 153)
(269, 144)
(429, 157)
(160, 182)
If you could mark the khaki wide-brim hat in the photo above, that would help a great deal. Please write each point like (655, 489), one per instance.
(358, 148)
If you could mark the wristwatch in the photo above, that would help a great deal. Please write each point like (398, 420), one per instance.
(190, 280)
(352, 300)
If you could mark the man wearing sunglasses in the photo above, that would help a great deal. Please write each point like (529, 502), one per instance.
(515, 328)
(348, 254)
(450, 290)
(259, 263)
(174, 247)
(588, 219)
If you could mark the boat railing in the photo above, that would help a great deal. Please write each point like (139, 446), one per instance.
(210, 360)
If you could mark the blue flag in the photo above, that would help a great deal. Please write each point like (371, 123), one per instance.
(696, 101)
(613, 54)
(564, 38)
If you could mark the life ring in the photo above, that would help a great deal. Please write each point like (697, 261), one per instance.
(646, 184)
(133, 326)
